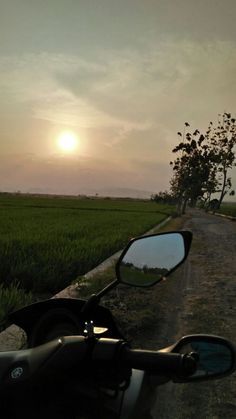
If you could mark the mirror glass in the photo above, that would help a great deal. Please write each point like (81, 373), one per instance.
(149, 259)
(212, 357)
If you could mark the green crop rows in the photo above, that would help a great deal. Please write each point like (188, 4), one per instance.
(45, 243)
(228, 209)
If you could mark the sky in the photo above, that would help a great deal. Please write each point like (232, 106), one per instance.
(123, 76)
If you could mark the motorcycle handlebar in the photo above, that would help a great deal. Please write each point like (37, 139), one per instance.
(153, 362)
(72, 351)
(162, 363)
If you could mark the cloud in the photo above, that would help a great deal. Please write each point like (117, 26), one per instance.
(166, 78)
(127, 89)
(129, 103)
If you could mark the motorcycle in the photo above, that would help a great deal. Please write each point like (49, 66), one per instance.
(77, 364)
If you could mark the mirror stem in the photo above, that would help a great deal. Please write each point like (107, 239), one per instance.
(94, 299)
(109, 287)
(90, 304)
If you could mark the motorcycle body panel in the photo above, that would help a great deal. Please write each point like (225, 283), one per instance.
(61, 309)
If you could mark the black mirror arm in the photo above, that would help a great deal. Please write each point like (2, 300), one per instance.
(94, 299)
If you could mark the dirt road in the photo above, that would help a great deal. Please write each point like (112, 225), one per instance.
(201, 299)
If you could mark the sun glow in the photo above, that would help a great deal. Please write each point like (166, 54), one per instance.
(67, 141)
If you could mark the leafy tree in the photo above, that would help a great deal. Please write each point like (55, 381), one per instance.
(222, 140)
(163, 197)
(191, 168)
(203, 163)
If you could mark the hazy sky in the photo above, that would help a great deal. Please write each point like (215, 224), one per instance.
(122, 75)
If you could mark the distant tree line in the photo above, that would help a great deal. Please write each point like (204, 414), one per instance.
(145, 269)
(164, 197)
(202, 164)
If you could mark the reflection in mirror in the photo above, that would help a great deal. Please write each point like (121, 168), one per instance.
(212, 358)
(151, 258)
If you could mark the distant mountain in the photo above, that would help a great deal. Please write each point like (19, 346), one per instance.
(104, 192)
(125, 193)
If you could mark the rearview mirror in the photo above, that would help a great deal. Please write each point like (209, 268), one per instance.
(148, 259)
(214, 355)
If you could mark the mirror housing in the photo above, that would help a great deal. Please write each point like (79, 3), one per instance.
(214, 355)
(149, 259)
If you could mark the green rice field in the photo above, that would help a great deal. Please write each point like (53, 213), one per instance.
(228, 209)
(47, 242)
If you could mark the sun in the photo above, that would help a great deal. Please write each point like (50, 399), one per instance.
(67, 141)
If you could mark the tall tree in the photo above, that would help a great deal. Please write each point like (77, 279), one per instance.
(222, 140)
(191, 169)
(203, 163)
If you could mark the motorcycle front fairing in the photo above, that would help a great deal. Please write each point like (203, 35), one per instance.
(40, 316)
(120, 400)
(132, 402)
(77, 398)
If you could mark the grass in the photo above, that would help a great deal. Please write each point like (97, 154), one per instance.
(138, 277)
(45, 242)
(99, 281)
(228, 209)
(12, 298)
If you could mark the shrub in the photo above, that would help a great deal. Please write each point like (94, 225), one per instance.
(12, 298)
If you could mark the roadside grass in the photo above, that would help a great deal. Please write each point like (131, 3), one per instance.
(87, 287)
(12, 298)
(228, 209)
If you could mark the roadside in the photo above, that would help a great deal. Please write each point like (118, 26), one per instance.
(201, 300)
